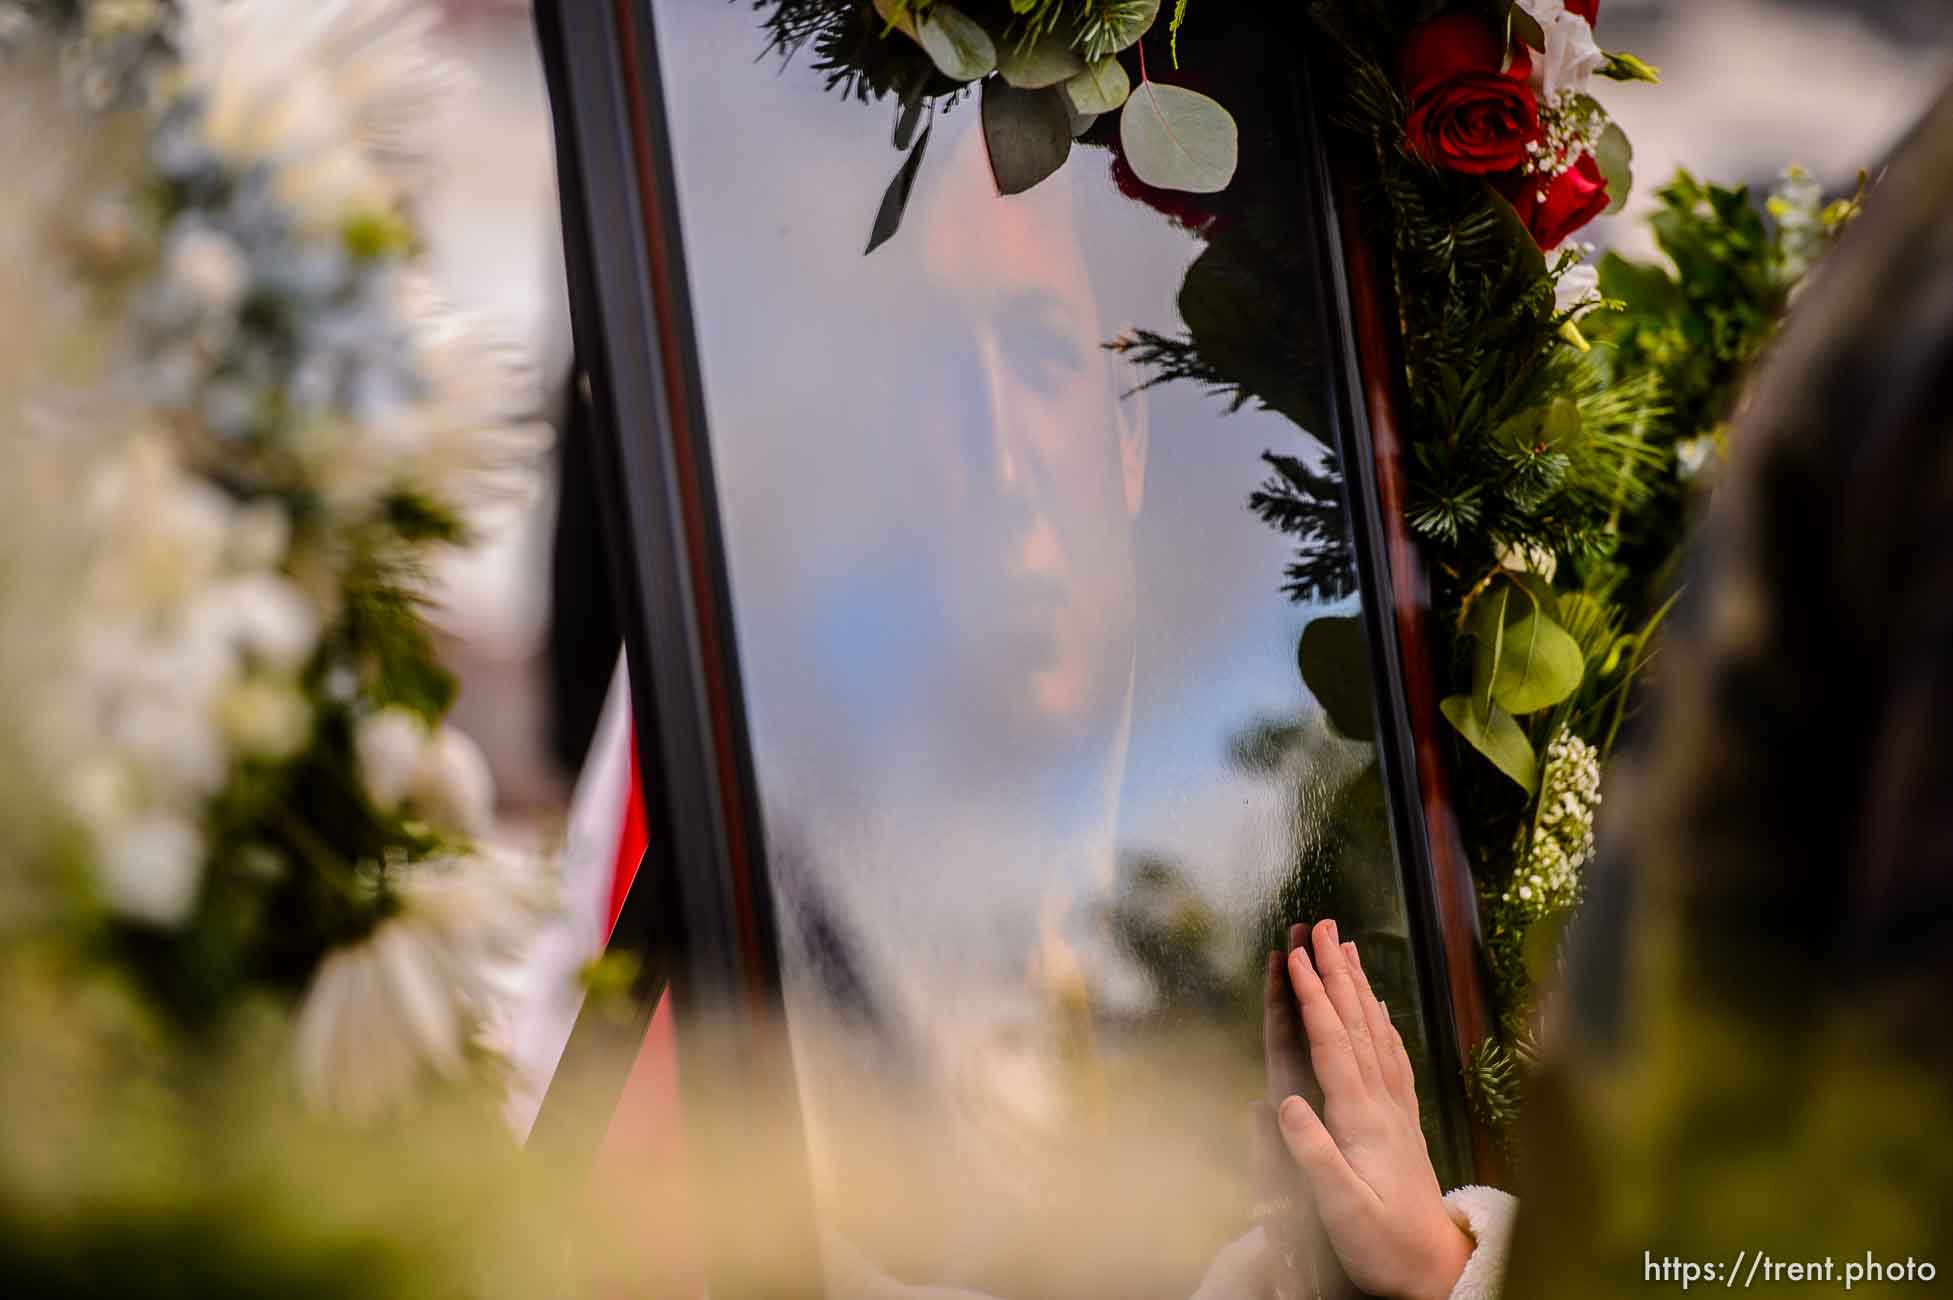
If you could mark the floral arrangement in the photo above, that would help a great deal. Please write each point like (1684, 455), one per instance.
(1560, 414)
(262, 426)
(1046, 71)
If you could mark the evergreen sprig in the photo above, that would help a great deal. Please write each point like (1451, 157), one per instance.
(1307, 504)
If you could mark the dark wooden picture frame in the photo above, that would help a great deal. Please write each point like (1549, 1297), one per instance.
(700, 916)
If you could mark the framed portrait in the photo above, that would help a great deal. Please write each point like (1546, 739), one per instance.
(1021, 642)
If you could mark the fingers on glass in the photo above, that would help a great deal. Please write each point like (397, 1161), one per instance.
(1392, 1060)
(1330, 1049)
(1405, 1089)
(1334, 966)
(1337, 1189)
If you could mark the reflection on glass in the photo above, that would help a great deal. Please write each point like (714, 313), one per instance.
(1043, 782)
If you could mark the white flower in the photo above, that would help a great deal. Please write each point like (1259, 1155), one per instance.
(441, 771)
(163, 531)
(1571, 57)
(389, 744)
(102, 791)
(410, 1001)
(453, 785)
(1694, 455)
(339, 96)
(261, 534)
(474, 437)
(1551, 855)
(176, 743)
(209, 265)
(151, 867)
(264, 617)
(1577, 290)
(266, 718)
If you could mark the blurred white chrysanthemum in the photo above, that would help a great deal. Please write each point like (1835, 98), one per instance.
(184, 649)
(454, 417)
(337, 96)
(415, 998)
(389, 744)
(265, 718)
(474, 436)
(208, 265)
(161, 641)
(453, 785)
(150, 868)
(440, 770)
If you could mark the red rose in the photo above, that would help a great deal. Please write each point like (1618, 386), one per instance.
(1553, 207)
(1469, 110)
(1588, 9)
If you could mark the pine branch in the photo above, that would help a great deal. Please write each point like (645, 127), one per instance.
(1307, 505)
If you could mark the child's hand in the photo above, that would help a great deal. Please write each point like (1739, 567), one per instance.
(1364, 1157)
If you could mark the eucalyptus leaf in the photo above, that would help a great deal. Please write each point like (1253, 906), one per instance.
(907, 119)
(1541, 666)
(1101, 88)
(888, 218)
(1080, 122)
(1522, 660)
(1028, 133)
(1497, 737)
(1033, 65)
(1179, 139)
(1335, 660)
(1116, 26)
(1615, 154)
(956, 43)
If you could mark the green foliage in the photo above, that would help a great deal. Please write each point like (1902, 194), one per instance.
(1061, 57)
(1546, 478)
(1492, 1083)
(1522, 660)
(1307, 504)
(1179, 139)
(1705, 317)
(1496, 735)
(1028, 133)
(1495, 1084)
(1335, 660)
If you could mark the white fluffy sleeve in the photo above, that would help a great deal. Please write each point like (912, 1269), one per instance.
(1243, 1271)
(1487, 1214)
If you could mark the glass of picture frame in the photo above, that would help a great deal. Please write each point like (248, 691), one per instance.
(1020, 645)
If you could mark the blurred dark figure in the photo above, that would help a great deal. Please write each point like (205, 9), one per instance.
(1755, 1067)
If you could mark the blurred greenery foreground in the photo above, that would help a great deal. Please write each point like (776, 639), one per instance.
(254, 932)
